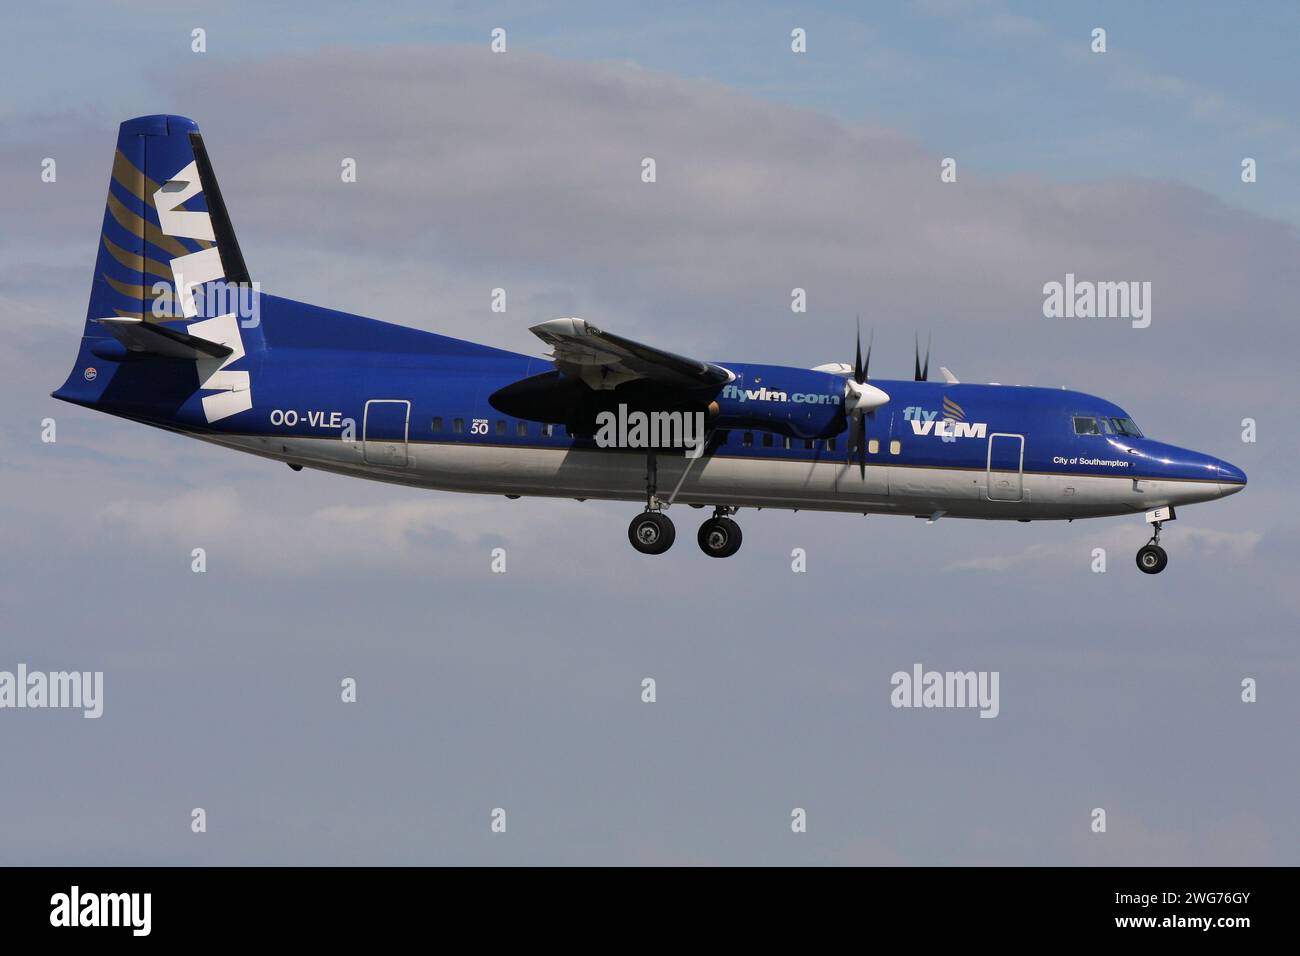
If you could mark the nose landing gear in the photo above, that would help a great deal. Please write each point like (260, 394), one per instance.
(1151, 558)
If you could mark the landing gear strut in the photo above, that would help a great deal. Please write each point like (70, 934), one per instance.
(652, 531)
(719, 536)
(1151, 558)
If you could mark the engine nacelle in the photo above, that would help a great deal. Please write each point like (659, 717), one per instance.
(796, 402)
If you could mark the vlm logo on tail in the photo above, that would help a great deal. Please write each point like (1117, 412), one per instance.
(951, 426)
(168, 254)
(194, 271)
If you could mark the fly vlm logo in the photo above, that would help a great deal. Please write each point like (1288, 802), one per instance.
(950, 427)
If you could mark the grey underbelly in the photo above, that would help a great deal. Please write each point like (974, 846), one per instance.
(828, 484)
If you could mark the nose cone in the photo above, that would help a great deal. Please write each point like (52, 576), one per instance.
(1231, 479)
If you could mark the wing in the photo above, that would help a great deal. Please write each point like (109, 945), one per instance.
(603, 360)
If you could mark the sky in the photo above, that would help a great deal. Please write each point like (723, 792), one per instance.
(523, 690)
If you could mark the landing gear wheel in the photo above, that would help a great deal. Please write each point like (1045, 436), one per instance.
(651, 532)
(719, 537)
(1151, 559)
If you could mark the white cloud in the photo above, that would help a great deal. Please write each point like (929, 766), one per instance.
(387, 534)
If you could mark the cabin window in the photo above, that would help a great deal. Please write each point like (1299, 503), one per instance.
(767, 439)
(458, 424)
(501, 426)
(548, 430)
(830, 444)
(748, 440)
(521, 429)
(437, 424)
(786, 445)
(809, 444)
(873, 447)
(895, 447)
(1085, 425)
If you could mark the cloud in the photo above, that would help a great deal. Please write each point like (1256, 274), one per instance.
(385, 535)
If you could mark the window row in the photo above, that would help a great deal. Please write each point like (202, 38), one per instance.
(769, 440)
(482, 426)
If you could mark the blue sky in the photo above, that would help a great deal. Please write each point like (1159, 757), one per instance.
(1184, 92)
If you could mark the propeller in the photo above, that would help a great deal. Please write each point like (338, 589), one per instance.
(861, 399)
(922, 371)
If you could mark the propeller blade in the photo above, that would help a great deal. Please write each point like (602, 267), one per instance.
(923, 371)
(860, 400)
(859, 373)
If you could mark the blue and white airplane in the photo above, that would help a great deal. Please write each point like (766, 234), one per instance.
(177, 336)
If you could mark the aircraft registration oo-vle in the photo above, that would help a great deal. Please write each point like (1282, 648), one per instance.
(317, 388)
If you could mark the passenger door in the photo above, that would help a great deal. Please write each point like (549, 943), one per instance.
(384, 431)
(1005, 470)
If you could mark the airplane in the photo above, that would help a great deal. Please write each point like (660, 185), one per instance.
(178, 336)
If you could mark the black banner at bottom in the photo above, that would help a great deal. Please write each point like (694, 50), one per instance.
(375, 904)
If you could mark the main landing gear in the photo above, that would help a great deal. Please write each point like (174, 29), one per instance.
(652, 531)
(719, 536)
(1151, 558)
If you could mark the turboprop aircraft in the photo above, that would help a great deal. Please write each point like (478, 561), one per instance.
(178, 336)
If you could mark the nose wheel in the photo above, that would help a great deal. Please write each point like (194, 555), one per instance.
(719, 536)
(1151, 558)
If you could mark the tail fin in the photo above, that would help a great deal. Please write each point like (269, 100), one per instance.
(165, 242)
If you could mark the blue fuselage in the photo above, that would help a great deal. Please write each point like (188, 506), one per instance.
(317, 376)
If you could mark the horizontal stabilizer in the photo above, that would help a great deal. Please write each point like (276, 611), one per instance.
(155, 339)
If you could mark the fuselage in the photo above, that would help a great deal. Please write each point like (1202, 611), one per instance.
(341, 393)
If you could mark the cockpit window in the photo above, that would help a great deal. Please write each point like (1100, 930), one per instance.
(1125, 426)
(1084, 425)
